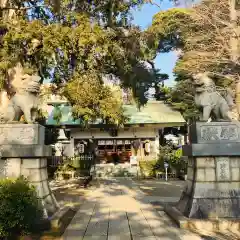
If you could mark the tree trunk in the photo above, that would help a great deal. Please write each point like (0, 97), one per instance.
(234, 44)
(234, 38)
(5, 94)
(5, 13)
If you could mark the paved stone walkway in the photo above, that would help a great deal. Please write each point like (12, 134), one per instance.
(117, 211)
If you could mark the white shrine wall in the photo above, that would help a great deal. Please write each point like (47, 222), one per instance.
(126, 133)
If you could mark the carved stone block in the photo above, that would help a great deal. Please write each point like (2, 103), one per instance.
(235, 162)
(212, 208)
(210, 174)
(205, 162)
(223, 168)
(200, 174)
(13, 169)
(25, 151)
(214, 132)
(37, 163)
(21, 134)
(214, 149)
(235, 172)
(3, 168)
(205, 174)
(216, 190)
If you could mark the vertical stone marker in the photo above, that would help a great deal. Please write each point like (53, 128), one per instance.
(223, 169)
(211, 198)
(23, 153)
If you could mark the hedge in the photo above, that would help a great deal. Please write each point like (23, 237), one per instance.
(19, 208)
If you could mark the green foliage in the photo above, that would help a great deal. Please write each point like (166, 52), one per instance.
(19, 208)
(202, 33)
(66, 166)
(167, 32)
(110, 13)
(147, 168)
(181, 98)
(76, 43)
(203, 36)
(173, 156)
(91, 99)
(74, 164)
(57, 114)
(166, 153)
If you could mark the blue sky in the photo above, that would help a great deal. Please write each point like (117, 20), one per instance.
(143, 18)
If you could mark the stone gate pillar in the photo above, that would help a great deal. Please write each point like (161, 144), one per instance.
(212, 192)
(23, 153)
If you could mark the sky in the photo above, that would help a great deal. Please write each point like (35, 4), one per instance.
(143, 18)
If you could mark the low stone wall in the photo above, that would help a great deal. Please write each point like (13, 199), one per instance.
(111, 170)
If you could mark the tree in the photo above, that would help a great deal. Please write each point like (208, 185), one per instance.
(92, 100)
(76, 43)
(181, 97)
(203, 34)
(208, 37)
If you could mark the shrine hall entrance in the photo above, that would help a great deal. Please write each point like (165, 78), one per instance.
(113, 150)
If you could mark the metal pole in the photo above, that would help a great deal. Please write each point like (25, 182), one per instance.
(166, 174)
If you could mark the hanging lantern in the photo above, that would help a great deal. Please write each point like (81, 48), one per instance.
(62, 137)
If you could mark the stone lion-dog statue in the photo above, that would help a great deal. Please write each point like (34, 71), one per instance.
(23, 102)
(213, 104)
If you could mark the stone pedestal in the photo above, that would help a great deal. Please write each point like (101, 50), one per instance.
(212, 191)
(23, 153)
(212, 188)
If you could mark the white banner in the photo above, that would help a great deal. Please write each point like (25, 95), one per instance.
(101, 142)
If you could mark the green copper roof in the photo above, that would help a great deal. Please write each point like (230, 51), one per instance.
(154, 112)
(66, 119)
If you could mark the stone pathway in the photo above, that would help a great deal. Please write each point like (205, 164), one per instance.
(116, 211)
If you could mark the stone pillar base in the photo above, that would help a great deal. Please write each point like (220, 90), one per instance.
(212, 191)
(35, 170)
(23, 153)
(209, 225)
(212, 188)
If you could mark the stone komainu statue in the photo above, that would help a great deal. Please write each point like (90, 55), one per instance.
(211, 102)
(24, 101)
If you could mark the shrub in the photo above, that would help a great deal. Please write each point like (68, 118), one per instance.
(173, 156)
(19, 208)
(147, 168)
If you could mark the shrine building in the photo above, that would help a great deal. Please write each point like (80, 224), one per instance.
(139, 136)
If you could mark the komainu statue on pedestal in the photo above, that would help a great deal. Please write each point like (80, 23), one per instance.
(211, 102)
(24, 101)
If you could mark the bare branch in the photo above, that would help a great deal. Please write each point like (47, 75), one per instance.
(153, 3)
